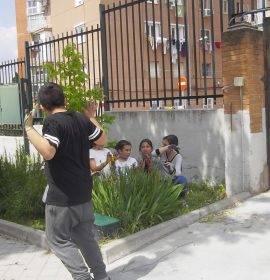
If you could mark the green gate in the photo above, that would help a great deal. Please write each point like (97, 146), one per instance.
(10, 111)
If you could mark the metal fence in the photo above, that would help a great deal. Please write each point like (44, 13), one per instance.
(38, 54)
(162, 53)
(249, 12)
(12, 71)
(146, 55)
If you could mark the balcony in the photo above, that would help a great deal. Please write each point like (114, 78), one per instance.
(38, 22)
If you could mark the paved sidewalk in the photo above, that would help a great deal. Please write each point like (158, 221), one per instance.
(233, 245)
(21, 261)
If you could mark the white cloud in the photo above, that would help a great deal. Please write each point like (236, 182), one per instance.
(8, 45)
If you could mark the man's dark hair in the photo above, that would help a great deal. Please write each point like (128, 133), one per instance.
(51, 96)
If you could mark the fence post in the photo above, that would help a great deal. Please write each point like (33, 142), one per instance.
(27, 92)
(104, 56)
(23, 85)
(266, 42)
(244, 110)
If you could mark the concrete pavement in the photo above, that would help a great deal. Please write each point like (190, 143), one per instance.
(21, 261)
(232, 245)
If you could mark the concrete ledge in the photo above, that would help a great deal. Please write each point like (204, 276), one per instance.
(124, 246)
(26, 234)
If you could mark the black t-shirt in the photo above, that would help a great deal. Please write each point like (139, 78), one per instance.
(68, 172)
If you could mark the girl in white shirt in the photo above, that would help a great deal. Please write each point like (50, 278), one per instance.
(99, 159)
(124, 160)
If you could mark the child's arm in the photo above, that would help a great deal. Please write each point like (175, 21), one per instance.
(95, 168)
(161, 150)
(178, 165)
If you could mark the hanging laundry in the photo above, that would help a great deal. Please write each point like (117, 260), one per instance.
(158, 41)
(218, 45)
(165, 43)
(183, 49)
(178, 46)
(179, 11)
(208, 47)
(152, 42)
(174, 53)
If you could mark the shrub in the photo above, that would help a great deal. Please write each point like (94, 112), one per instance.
(22, 183)
(200, 195)
(138, 199)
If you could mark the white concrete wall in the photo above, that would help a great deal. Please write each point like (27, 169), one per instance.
(246, 156)
(204, 137)
(200, 133)
(258, 160)
(9, 144)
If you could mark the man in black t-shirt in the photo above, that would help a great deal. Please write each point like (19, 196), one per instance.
(69, 216)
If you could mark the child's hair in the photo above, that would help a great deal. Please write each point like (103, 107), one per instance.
(148, 141)
(172, 140)
(120, 145)
(92, 145)
(51, 96)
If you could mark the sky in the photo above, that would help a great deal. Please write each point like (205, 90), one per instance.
(8, 34)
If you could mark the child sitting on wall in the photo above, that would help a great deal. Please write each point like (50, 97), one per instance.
(124, 161)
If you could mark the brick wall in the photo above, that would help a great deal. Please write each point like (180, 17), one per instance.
(242, 56)
(21, 23)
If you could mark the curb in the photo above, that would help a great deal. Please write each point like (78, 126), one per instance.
(24, 233)
(124, 246)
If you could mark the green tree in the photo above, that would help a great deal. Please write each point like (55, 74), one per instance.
(73, 79)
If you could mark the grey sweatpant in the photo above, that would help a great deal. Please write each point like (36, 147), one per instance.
(69, 232)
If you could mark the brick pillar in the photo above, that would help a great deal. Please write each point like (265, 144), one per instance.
(244, 110)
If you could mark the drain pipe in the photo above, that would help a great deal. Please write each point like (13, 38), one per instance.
(239, 82)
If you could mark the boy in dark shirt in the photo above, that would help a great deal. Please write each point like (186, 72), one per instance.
(68, 211)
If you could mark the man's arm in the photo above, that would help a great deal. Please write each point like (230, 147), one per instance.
(90, 112)
(41, 144)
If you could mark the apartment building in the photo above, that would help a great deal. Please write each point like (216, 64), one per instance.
(151, 47)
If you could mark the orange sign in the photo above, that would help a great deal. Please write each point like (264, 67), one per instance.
(182, 83)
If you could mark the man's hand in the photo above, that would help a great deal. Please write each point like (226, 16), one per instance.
(28, 120)
(91, 108)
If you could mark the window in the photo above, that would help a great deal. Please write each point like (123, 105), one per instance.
(78, 30)
(181, 32)
(33, 8)
(153, 70)
(78, 3)
(208, 70)
(153, 31)
(205, 35)
(225, 7)
(151, 1)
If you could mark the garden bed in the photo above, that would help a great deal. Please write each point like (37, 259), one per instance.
(137, 199)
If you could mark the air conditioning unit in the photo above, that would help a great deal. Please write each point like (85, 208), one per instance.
(206, 12)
